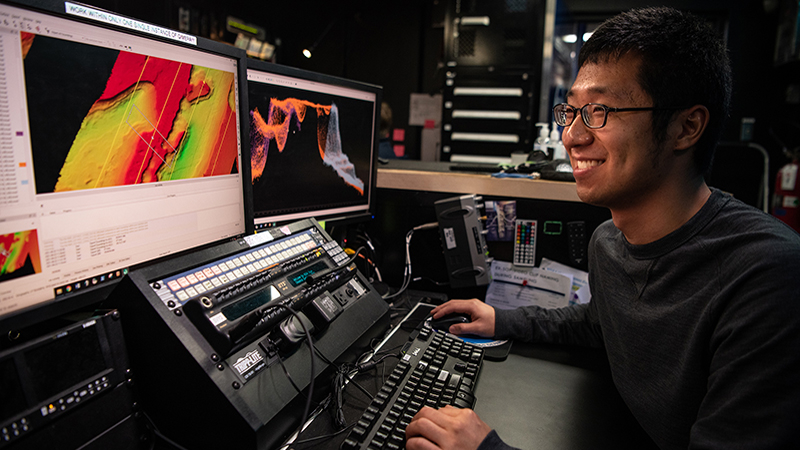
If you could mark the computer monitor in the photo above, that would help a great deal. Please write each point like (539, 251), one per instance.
(120, 143)
(313, 145)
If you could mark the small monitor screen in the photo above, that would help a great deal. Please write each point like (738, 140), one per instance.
(313, 144)
(116, 148)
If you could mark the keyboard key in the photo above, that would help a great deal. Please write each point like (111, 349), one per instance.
(349, 443)
(461, 403)
(358, 432)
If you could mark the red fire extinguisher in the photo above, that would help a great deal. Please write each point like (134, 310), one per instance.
(786, 200)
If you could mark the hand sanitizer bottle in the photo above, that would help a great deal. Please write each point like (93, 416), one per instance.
(559, 151)
(542, 141)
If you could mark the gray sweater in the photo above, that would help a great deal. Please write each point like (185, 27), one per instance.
(701, 328)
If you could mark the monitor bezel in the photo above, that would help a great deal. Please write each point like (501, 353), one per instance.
(332, 218)
(13, 323)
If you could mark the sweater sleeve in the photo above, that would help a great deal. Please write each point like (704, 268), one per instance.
(493, 442)
(576, 325)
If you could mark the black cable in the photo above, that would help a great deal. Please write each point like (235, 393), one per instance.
(346, 373)
(355, 255)
(338, 397)
(324, 436)
(323, 357)
(361, 388)
(402, 305)
(311, 352)
(289, 377)
(372, 364)
(158, 433)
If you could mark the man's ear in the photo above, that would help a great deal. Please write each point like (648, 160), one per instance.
(692, 122)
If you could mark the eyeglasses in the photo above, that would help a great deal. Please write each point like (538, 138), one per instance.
(594, 115)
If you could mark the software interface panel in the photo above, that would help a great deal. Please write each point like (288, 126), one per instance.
(116, 149)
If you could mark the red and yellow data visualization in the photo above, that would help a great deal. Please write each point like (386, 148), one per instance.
(280, 115)
(17, 250)
(157, 120)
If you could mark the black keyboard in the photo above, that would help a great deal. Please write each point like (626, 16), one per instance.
(435, 369)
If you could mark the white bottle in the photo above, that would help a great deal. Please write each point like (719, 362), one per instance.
(542, 142)
(559, 151)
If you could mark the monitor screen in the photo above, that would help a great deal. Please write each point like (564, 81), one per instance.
(120, 143)
(313, 145)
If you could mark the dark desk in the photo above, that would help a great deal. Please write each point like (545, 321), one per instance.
(553, 397)
(541, 397)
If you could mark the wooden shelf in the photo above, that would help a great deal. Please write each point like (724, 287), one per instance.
(436, 177)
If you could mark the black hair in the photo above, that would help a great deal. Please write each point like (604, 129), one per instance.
(683, 63)
(386, 119)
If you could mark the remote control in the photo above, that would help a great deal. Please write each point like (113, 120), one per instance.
(525, 243)
(576, 242)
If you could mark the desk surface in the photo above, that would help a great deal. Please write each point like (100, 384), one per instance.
(551, 397)
(541, 397)
(437, 177)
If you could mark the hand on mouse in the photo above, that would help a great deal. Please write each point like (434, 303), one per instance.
(481, 314)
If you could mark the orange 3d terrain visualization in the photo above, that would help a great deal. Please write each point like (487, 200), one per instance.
(157, 120)
(281, 113)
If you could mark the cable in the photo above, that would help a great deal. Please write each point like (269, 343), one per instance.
(370, 263)
(338, 391)
(345, 375)
(437, 283)
(368, 241)
(317, 438)
(407, 271)
(355, 255)
(152, 426)
(311, 350)
(372, 364)
(317, 411)
(323, 357)
(289, 377)
(426, 226)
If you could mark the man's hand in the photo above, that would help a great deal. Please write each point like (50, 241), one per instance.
(481, 314)
(446, 428)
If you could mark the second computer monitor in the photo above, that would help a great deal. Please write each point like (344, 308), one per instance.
(313, 144)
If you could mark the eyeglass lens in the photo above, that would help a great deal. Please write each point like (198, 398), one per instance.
(594, 115)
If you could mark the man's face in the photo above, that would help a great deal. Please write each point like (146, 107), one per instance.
(615, 166)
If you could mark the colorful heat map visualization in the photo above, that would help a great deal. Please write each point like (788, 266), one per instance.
(18, 250)
(157, 120)
(280, 115)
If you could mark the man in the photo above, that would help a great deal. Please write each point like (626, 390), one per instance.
(695, 296)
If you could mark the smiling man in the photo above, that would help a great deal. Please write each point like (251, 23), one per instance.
(695, 295)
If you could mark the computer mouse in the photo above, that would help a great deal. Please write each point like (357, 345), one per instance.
(443, 323)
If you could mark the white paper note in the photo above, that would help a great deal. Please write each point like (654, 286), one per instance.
(515, 286)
